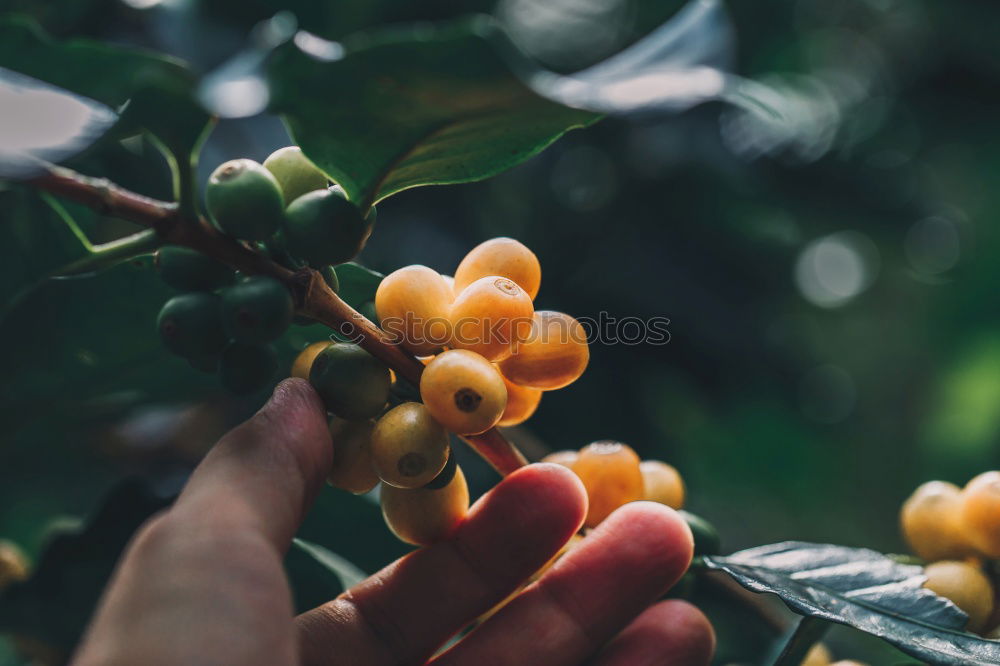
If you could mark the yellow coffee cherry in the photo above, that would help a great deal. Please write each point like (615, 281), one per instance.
(303, 362)
(980, 513)
(662, 483)
(408, 446)
(522, 402)
(463, 392)
(412, 304)
(565, 458)
(422, 516)
(931, 522)
(490, 317)
(13, 563)
(501, 256)
(352, 468)
(610, 473)
(818, 655)
(964, 585)
(553, 355)
(848, 662)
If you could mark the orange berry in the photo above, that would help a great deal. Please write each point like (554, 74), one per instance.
(522, 402)
(408, 446)
(450, 281)
(662, 483)
(463, 392)
(552, 356)
(501, 256)
(422, 516)
(980, 513)
(565, 458)
(931, 522)
(965, 586)
(352, 456)
(610, 473)
(303, 362)
(412, 304)
(490, 316)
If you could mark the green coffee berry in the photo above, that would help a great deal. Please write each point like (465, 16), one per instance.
(191, 325)
(706, 537)
(277, 249)
(294, 172)
(257, 310)
(245, 200)
(247, 368)
(323, 228)
(185, 269)
(352, 383)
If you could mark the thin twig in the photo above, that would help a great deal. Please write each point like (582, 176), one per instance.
(313, 298)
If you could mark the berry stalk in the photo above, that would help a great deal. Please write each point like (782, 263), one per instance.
(313, 297)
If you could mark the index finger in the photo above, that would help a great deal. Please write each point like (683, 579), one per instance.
(264, 474)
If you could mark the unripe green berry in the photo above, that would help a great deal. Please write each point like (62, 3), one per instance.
(706, 537)
(247, 368)
(191, 325)
(244, 200)
(185, 269)
(352, 383)
(323, 228)
(294, 172)
(257, 310)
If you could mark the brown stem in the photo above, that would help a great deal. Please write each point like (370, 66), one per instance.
(313, 298)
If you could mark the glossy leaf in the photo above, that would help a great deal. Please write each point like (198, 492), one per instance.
(158, 90)
(416, 106)
(357, 284)
(865, 590)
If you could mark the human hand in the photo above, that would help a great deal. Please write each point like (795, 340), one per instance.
(203, 582)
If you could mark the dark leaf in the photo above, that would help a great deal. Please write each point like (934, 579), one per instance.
(158, 90)
(865, 590)
(317, 574)
(416, 106)
(56, 602)
(357, 284)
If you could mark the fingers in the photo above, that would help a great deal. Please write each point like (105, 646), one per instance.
(209, 569)
(406, 611)
(629, 561)
(263, 475)
(671, 633)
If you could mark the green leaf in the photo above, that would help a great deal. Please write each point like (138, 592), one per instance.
(56, 602)
(422, 105)
(865, 590)
(158, 90)
(346, 573)
(357, 284)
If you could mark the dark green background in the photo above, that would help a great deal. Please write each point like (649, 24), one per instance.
(641, 217)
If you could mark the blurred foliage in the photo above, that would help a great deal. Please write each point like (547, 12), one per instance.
(813, 378)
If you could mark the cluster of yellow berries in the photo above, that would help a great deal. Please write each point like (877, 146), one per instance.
(489, 356)
(613, 475)
(956, 530)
